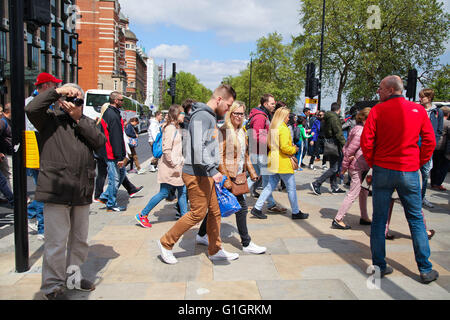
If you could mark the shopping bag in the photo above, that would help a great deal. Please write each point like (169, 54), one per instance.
(228, 203)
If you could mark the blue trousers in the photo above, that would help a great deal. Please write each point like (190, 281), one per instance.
(162, 194)
(36, 208)
(407, 184)
(115, 179)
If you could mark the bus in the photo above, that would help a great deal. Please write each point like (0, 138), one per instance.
(94, 100)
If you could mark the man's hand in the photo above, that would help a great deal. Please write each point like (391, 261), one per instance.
(217, 177)
(120, 164)
(72, 110)
(311, 143)
(69, 92)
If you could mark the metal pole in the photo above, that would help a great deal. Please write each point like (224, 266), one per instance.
(250, 85)
(174, 75)
(16, 10)
(321, 57)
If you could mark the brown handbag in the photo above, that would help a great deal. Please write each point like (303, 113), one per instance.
(239, 184)
(294, 162)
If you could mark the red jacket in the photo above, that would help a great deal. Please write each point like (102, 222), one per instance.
(259, 123)
(391, 135)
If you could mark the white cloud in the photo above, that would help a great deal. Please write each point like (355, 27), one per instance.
(233, 20)
(181, 52)
(210, 73)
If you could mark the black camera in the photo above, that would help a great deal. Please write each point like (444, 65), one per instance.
(76, 101)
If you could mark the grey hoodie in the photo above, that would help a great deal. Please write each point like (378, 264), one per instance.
(201, 143)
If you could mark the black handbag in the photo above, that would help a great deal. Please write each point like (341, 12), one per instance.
(330, 148)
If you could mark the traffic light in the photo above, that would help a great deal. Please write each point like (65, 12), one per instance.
(312, 83)
(411, 84)
(172, 87)
(37, 11)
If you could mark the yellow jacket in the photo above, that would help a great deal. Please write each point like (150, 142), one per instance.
(281, 149)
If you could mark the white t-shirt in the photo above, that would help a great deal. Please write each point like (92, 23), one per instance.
(153, 130)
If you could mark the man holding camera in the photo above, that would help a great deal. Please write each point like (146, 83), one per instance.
(65, 183)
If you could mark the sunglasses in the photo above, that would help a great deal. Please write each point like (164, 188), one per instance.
(76, 101)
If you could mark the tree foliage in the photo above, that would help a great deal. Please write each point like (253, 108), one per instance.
(440, 83)
(274, 71)
(357, 56)
(187, 86)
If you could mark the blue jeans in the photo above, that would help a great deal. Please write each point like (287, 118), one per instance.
(5, 189)
(289, 181)
(115, 179)
(162, 194)
(425, 170)
(36, 208)
(407, 184)
(259, 162)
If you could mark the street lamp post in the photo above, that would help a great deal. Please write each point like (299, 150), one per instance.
(250, 85)
(321, 57)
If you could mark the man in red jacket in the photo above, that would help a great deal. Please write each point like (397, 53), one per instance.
(390, 146)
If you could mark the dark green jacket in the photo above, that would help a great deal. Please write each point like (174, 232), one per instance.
(333, 128)
(67, 165)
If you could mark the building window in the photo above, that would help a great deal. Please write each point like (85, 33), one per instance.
(44, 67)
(32, 53)
(127, 46)
(54, 65)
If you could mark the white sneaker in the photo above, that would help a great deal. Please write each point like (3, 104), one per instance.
(151, 168)
(224, 255)
(142, 171)
(311, 166)
(33, 226)
(253, 248)
(40, 236)
(202, 240)
(324, 167)
(167, 255)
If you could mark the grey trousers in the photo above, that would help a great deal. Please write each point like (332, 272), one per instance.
(66, 233)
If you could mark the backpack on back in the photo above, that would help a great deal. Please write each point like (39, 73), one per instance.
(157, 145)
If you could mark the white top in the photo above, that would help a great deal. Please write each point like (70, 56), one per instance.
(241, 138)
(28, 125)
(153, 130)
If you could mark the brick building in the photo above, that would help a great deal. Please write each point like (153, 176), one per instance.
(51, 48)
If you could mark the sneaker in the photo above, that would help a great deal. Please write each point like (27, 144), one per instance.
(302, 165)
(141, 171)
(202, 240)
(101, 200)
(177, 216)
(167, 255)
(311, 166)
(387, 271)
(151, 168)
(58, 294)
(427, 203)
(224, 255)
(338, 190)
(258, 213)
(324, 167)
(132, 171)
(86, 286)
(300, 215)
(143, 221)
(315, 188)
(277, 209)
(41, 237)
(115, 209)
(299, 169)
(33, 226)
(136, 191)
(429, 277)
(253, 248)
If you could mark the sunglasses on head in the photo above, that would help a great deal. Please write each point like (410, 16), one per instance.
(76, 101)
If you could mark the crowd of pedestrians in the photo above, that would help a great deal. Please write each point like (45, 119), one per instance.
(77, 154)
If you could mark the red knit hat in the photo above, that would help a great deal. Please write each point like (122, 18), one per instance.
(46, 77)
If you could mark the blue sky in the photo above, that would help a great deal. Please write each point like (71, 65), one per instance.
(212, 41)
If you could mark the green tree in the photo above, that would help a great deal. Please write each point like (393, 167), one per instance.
(440, 83)
(187, 86)
(358, 54)
(274, 70)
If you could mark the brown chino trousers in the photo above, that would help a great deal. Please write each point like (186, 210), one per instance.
(203, 199)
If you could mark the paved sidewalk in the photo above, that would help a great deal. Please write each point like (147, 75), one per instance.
(305, 259)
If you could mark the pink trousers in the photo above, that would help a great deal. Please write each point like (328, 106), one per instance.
(354, 192)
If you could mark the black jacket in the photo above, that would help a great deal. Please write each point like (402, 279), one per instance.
(67, 165)
(112, 126)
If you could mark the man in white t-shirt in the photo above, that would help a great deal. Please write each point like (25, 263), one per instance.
(155, 124)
